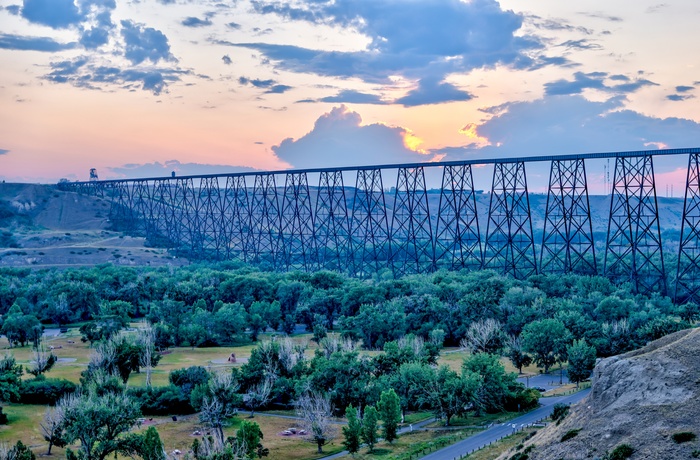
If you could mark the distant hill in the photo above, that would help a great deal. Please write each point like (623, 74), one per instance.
(42, 226)
(642, 398)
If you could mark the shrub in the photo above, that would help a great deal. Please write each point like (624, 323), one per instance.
(3, 417)
(621, 452)
(559, 412)
(570, 434)
(683, 436)
(167, 400)
(45, 391)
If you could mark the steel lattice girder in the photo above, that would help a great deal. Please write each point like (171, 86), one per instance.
(688, 271)
(567, 242)
(369, 233)
(297, 236)
(237, 219)
(411, 233)
(264, 236)
(457, 235)
(332, 226)
(634, 250)
(509, 244)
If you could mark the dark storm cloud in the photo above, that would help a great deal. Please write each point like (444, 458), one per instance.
(595, 80)
(58, 14)
(144, 43)
(195, 22)
(18, 42)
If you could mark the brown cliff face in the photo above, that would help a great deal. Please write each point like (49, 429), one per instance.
(641, 398)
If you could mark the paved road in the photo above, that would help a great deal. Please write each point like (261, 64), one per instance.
(546, 381)
(496, 432)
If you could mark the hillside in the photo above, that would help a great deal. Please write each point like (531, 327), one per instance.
(41, 226)
(641, 398)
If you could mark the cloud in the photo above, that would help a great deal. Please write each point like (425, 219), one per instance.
(340, 139)
(4, 151)
(684, 89)
(57, 14)
(595, 80)
(83, 73)
(227, 59)
(233, 25)
(432, 91)
(13, 9)
(582, 44)
(94, 38)
(18, 42)
(195, 22)
(271, 86)
(353, 97)
(679, 97)
(144, 43)
(157, 169)
(571, 124)
(601, 15)
(422, 41)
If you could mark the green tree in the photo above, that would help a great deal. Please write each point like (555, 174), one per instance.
(369, 427)
(546, 339)
(20, 452)
(10, 373)
(516, 354)
(151, 445)
(248, 437)
(390, 412)
(496, 385)
(581, 361)
(353, 431)
(449, 394)
(101, 422)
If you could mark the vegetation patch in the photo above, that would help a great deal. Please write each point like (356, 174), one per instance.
(621, 452)
(570, 434)
(683, 436)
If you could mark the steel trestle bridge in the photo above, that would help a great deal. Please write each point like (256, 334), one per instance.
(277, 219)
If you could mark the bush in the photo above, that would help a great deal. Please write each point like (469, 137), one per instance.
(683, 436)
(559, 412)
(525, 399)
(45, 391)
(570, 434)
(3, 417)
(167, 400)
(621, 452)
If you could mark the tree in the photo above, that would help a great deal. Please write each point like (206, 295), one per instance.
(390, 413)
(315, 410)
(43, 361)
(369, 427)
(581, 361)
(20, 452)
(10, 373)
(219, 402)
(248, 438)
(51, 427)
(151, 445)
(449, 394)
(353, 431)
(101, 422)
(496, 385)
(146, 340)
(259, 394)
(410, 383)
(546, 339)
(483, 336)
(516, 354)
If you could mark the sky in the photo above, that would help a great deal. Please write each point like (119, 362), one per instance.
(140, 88)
